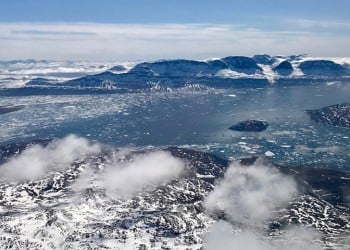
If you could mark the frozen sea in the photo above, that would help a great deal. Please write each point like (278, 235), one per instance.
(196, 119)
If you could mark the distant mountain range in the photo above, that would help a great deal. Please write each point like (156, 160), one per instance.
(231, 71)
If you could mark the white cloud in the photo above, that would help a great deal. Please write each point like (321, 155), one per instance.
(37, 161)
(127, 174)
(250, 194)
(223, 236)
(144, 171)
(120, 42)
(323, 24)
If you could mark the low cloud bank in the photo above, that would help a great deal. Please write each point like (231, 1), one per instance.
(37, 161)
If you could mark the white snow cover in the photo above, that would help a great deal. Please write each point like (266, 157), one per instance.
(227, 73)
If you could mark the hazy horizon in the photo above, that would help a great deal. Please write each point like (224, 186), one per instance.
(133, 31)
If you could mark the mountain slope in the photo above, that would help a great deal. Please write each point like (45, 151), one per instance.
(73, 208)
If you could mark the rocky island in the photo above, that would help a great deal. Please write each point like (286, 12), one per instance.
(250, 126)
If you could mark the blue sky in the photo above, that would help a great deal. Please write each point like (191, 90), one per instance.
(152, 29)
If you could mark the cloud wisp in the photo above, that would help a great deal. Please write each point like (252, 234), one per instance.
(122, 42)
(319, 24)
(119, 178)
(37, 161)
(249, 196)
(143, 172)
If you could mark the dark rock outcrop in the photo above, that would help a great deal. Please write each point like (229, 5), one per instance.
(285, 68)
(264, 59)
(40, 81)
(174, 74)
(118, 68)
(216, 66)
(322, 68)
(250, 126)
(97, 80)
(175, 68)
(335, 115)
(242, 64)
(9, 109)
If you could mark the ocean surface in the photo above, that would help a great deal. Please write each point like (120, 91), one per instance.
(198, 119)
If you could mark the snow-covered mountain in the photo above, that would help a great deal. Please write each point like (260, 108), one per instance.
(16, 73)
(232, 71)
(99, 199)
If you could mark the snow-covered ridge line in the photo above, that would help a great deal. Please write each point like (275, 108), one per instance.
(16, 73)
(171, 72)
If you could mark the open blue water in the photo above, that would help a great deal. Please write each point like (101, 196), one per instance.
(196, 119)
